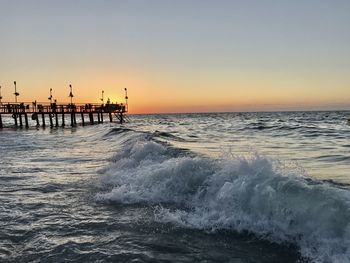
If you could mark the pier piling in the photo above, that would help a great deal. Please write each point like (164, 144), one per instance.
(37, 119)
(26, 120)
(15, 117)
(63, 120)
(82, 119)
(43, 119)
(91, 116)
(50, 117)
(72, 119)
(56, 119)
(20, 120)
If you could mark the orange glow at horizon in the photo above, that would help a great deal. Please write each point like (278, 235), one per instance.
(189, 91)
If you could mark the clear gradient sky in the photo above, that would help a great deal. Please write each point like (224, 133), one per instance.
(179, 55)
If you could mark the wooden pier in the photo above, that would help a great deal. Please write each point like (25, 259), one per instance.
(55, 115)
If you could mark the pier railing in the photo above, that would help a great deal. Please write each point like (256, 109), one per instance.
(10, 107)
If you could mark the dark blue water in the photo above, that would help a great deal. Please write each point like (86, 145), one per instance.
(221, 187)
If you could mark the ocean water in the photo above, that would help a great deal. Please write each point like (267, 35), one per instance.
(219, 187)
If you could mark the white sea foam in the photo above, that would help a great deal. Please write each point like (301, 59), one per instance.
(238, 193)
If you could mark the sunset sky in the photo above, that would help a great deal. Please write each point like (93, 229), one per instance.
(179, 55)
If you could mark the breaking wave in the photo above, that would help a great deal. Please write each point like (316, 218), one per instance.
(239, 194)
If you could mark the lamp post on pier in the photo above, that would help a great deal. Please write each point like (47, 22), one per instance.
(102, 99)
(126, 99)
(50, 97)
(16, 93)
(71, 94)
(0, 96)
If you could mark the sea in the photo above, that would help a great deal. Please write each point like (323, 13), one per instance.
(206, 187)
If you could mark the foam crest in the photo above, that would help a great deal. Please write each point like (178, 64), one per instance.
(237, 194)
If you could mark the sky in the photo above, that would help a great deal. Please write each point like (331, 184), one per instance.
(179, 55)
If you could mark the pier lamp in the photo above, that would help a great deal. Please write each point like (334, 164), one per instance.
(16, 93)
(102, 99)
(50, 97)
(71, 94)
(126, 98)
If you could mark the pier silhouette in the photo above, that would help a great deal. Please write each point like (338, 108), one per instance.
(55, 114)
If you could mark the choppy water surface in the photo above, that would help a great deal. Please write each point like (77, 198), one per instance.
(221, 187)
